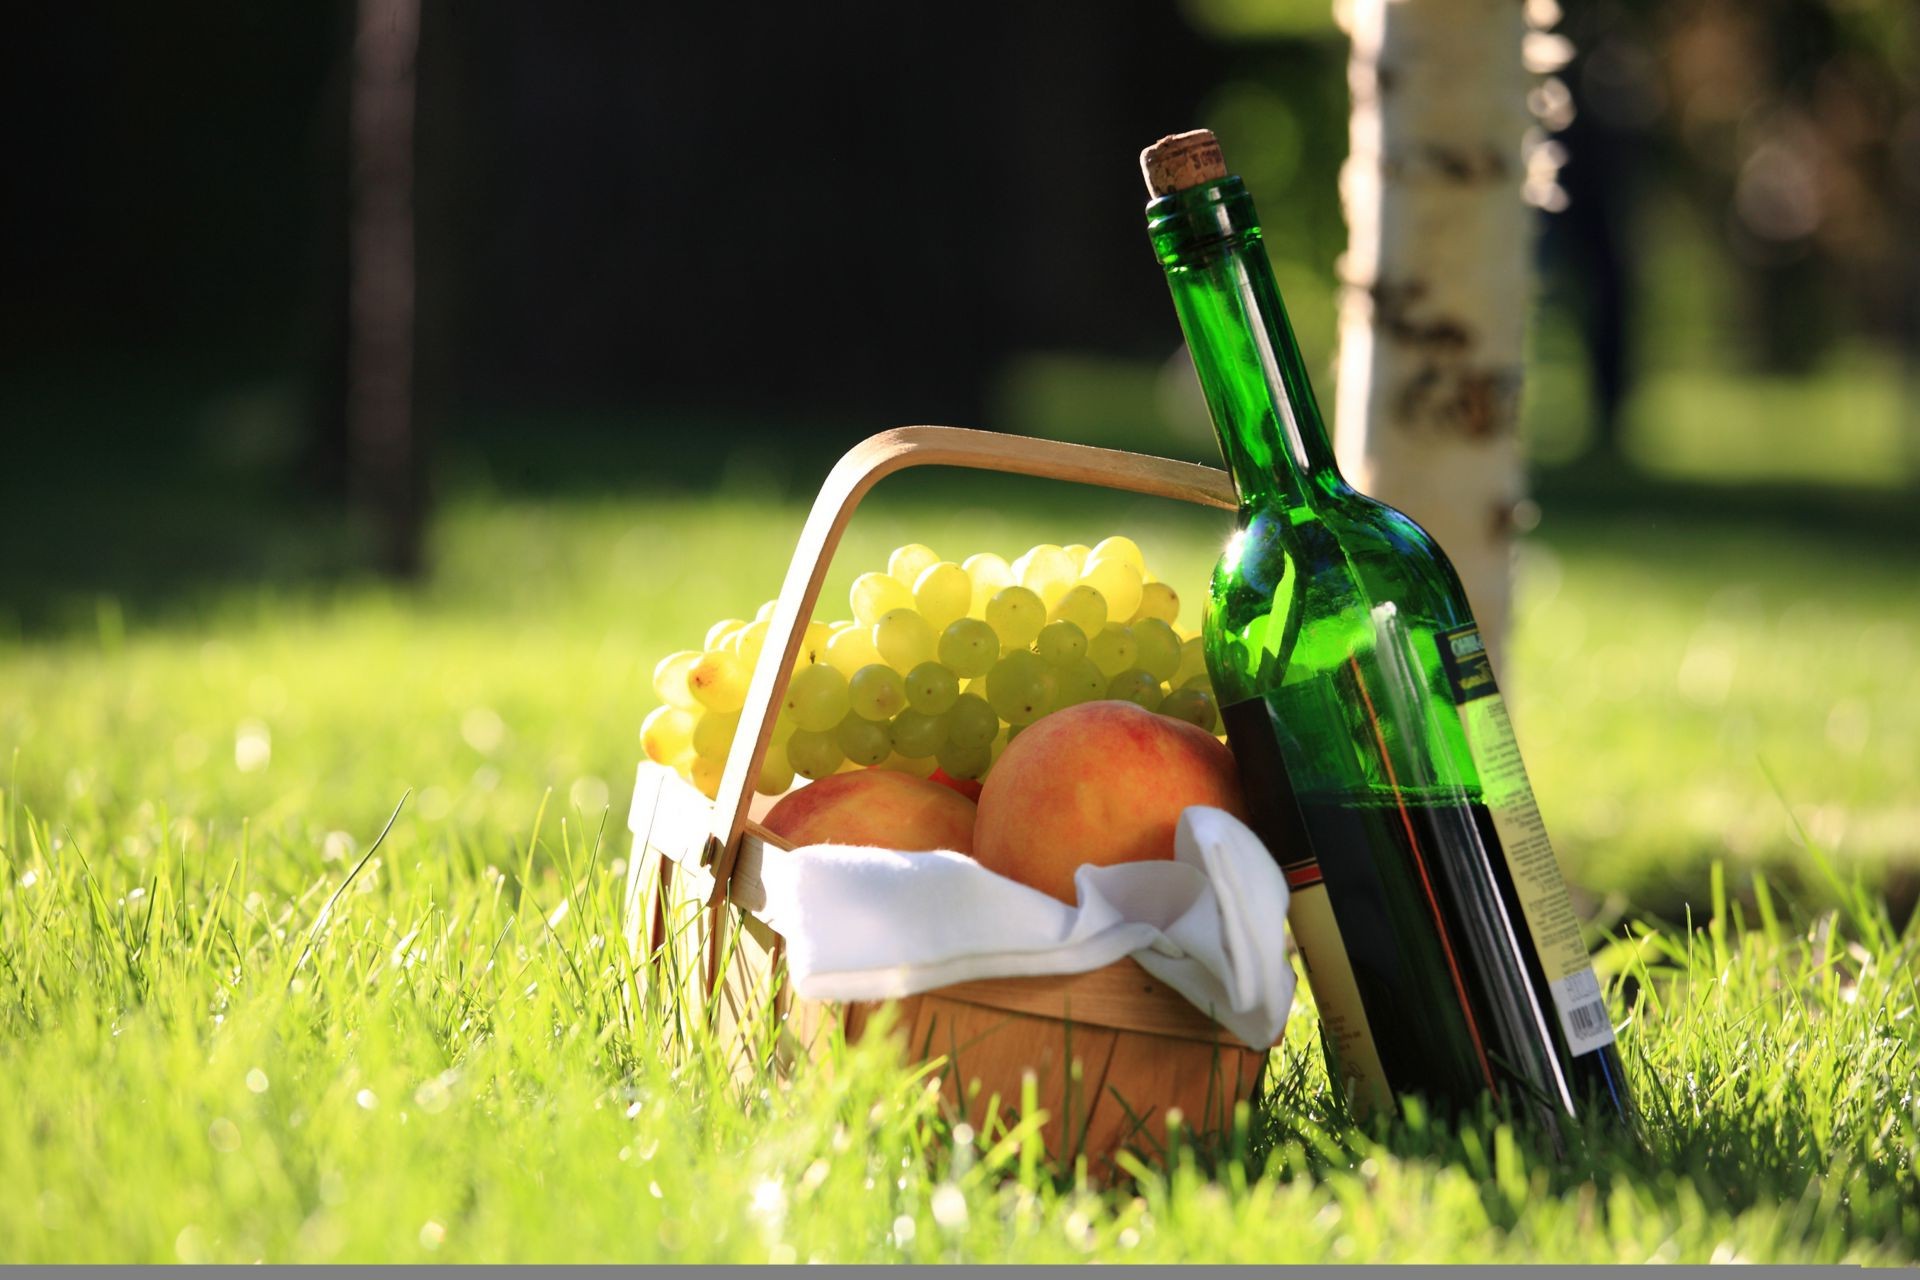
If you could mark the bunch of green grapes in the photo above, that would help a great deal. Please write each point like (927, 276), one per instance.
(939, 667)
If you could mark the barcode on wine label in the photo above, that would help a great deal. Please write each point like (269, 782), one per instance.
(1583, 1012)
(1588, 1019)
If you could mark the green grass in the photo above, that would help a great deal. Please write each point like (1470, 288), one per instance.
(199, 1060)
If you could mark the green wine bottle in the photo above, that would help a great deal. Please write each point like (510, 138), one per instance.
(1442, 947)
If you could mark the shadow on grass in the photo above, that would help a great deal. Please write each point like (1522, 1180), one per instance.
(1851, 521)
(142, 502)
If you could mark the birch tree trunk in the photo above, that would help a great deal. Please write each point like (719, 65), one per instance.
(1436, 277)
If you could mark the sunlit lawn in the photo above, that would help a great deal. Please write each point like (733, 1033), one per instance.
(449, 1076)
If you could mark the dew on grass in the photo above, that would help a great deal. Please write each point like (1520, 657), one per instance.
(904, 1231)
(483, 729)
(435, 803)
(256, 1081)
(432, 1234)
(252, 746)
(769, 1203)
(224, 1134)
(589, 795)
(815, 1175)
(950, 1207)
(1849, 726)
(434, 1095)
(367, 1099)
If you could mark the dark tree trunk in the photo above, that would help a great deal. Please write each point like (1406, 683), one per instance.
(385, 473)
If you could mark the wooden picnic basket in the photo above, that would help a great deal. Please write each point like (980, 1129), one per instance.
(1113, 1051)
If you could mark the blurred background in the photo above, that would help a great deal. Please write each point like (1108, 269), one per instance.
(403, 400)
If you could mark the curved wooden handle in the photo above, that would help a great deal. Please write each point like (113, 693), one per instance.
(859, 470)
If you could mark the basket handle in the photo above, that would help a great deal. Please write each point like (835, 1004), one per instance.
(859, 470)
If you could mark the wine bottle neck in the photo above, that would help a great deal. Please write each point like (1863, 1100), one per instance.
(1208, 241)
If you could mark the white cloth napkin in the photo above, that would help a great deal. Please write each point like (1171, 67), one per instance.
(872, 924)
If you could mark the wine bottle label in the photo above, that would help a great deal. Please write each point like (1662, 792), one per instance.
(1362, 1079)
(1523, 836)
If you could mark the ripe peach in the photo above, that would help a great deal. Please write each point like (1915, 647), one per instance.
(1101, 783)
(877, 807)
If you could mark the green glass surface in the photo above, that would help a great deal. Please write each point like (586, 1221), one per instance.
(1323, 634)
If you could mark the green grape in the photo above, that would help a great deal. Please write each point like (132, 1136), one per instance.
(918, 766)
(1117, 580)
(1081, 681)
(969, 646)
(1021, 687)
(971, 722)
(1193, 661)
(1156, 648)
(865, 742)
(718, 681)
(713, 734)
(814, 755)
(932, 689)
(765, 612)
(851, 648)
(943, 593)
(877, 692)
(1061, 643)
(748, 641)
(817, 698)
(1046, 570)
(1137, 685)
(915, 733)
(874, 594)
(1016, 615)
(1192, 705)
(670, 679)
(667, 734)
(989, 574)
(965, 762)
(705, 774)
(776, 775)
(904, 639)
(1084, 607)
(1125, 550)
(1113, 650)
(813, 646)
(1203, 683)
(1077, 552)
(720, 630)
(1158, 600)
(907, 563)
